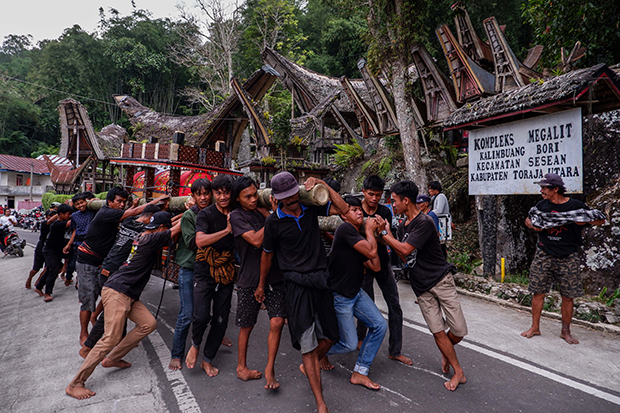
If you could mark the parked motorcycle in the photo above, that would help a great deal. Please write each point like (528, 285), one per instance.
(11, 244)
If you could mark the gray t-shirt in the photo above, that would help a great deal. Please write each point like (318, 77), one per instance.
(440, 204)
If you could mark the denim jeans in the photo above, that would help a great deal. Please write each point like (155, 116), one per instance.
(186, 309)
(365, 310)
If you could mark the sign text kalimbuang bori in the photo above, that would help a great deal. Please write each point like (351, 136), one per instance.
(509, 158)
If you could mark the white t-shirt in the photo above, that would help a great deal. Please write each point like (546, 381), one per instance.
(10, 220)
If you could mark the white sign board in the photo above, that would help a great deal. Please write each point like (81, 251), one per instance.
(507, 159)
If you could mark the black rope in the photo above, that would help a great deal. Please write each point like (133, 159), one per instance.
(163, 288)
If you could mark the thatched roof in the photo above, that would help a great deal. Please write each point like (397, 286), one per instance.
(305, 126)
(311, 87)
(201, 130)
(111, 138)
(557, 93)
(77, 131)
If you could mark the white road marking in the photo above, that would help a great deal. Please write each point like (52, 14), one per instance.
(185, 398)
(531, 368)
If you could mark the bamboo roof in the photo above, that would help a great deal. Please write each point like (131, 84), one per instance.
(77, 132)
(595, 88)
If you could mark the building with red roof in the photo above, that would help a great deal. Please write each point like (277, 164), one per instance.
(23, 181)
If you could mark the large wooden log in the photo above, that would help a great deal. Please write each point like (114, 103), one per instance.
(317, 196)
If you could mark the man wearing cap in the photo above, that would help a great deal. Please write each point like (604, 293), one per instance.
(557, 254)
(292, 234)
(121, 296)
(424, 204)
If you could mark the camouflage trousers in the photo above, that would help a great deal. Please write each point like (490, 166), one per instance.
(547, 270)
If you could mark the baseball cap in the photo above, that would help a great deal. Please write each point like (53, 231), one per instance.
(551, 180)
(283, 185)
(422, 198)
(159, 218)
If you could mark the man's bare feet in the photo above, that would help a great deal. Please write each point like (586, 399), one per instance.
(68, 282)
(227, 342)
(84, 351)
(270, 378)
(209, 369)
(567, 336)
(47, 298)
(79, 392)
(83, 338)
(458, 378)
(175, 364)
(360, 379)
(121, 364)
(246, 374)
(192, 356)
(29, 283)
(531, 332)
(445, 365)
(324, 364)
(36, 290)
(303, 369)
(403, 359)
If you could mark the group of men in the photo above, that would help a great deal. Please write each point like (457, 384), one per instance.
(275, 257)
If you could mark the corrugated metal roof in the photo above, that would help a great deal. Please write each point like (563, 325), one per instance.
(19, 164)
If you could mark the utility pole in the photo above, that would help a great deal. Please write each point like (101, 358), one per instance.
(31, 178)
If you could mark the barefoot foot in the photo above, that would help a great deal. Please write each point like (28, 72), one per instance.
(209, 369)
(121, 364)
(227, 342)
(36, 290)
(324, 364)
(458, 378)
(29, 283)
(403, 359)
(47, 298)
(246, 374)
(270, 378)
(175, 364)
(303, 369)
(192, 356)
(567, 336)
(360, 379)
(79, 392)
(531, 333)
(83, 337)
(84, 351)
(445, 365)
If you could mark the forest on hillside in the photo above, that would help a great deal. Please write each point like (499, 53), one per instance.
(183, 66)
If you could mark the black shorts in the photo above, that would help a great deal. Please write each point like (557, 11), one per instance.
(39, 259)
(248, 307)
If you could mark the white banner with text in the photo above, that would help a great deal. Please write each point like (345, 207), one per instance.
(507, 159)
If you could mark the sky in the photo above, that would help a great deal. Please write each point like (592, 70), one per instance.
(47, 19)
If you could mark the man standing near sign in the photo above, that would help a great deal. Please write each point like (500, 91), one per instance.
(558, 221)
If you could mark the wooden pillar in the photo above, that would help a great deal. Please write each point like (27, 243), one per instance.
(175, 181)
(149, 182)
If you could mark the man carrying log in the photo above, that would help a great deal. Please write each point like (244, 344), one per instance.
(430, 276)
(292, 234)
(373, 190)
(558, 220)
(121, 301)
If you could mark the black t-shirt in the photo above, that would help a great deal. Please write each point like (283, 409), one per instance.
(296, 241)
(566, 239)
(134, 274)
(385, 213)
(128, 232)
(346, 264)
(210, 220)
(56, 238)
(101, 235)
(426, 263)
(45, 230)
(243, 221)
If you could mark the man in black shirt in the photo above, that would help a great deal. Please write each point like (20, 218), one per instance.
(214, 273)
(52, 251)
(96, 246)
(373, 190)
(292, 234)
(129, 231)
(39, 260)
(121, 301)
(248, 221)
(556, 256)
(430, 276)
(350, 253)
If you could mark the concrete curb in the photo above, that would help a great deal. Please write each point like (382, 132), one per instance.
(607, 328)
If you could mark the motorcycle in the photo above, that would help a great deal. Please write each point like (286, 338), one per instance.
(11, 244)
